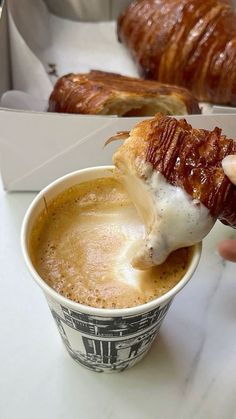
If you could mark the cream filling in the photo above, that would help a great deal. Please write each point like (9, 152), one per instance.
(172, 219)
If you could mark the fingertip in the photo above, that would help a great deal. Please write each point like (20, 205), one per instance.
(230, 159)
(229, 167)
(227, 250)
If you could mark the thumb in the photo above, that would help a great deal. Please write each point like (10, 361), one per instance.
(229, 167)
(227, 249)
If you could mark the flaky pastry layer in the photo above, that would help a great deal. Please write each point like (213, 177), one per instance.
(105, 93)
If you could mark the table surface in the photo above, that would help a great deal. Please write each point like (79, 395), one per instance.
(190, 371)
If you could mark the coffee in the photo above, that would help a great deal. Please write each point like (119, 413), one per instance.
(81, 245)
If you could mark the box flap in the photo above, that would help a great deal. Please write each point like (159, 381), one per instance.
(37, 148)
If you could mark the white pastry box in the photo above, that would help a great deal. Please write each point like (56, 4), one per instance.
(39, 41)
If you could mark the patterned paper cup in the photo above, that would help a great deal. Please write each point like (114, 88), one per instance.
(103, 340)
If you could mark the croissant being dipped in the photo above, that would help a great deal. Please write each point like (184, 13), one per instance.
(174, 176)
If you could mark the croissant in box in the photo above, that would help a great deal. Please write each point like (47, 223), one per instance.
(189, 43)
(101, 93)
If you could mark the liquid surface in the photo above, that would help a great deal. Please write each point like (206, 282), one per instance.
(82, 247)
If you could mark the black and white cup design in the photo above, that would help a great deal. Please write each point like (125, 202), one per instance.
(103, 340)
(104, 343)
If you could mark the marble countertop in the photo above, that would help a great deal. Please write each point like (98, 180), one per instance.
(189, 373)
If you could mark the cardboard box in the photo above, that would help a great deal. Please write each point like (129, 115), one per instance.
(5, 78)
(38, 147)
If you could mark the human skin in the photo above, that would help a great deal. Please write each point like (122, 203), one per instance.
(227, 248)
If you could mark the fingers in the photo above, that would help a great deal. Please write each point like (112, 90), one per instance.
(229, 167)
(227, 250)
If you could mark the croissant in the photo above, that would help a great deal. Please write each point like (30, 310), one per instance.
(104, 93)
(190, 43)
(174, 176)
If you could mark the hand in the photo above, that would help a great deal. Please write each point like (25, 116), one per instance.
(227, 248)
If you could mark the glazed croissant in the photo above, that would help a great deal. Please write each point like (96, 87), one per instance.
(104, 93)
(190, 43)
(174, 176)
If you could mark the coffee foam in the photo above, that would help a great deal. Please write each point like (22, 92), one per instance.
(83, 246)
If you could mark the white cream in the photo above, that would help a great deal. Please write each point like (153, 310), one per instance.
(171, 217)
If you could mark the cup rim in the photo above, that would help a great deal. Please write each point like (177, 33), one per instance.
(102, 312)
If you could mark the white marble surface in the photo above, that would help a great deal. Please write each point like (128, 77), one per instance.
(190, 372)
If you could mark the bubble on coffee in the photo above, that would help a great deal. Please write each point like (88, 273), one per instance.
(83, 245)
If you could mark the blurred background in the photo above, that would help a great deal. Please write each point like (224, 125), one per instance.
(91, 10)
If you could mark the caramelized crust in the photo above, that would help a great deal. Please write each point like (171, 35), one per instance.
(186, 157)
(106, 93)
(190, 43)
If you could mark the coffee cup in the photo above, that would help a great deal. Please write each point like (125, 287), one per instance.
(100, 339)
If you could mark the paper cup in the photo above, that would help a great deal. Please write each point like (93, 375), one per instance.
(103, 340)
